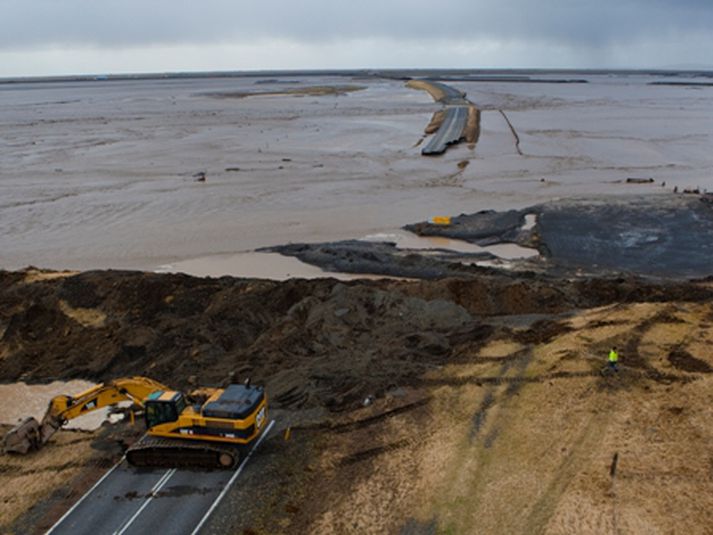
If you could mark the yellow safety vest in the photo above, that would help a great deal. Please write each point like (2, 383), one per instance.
(613, 356)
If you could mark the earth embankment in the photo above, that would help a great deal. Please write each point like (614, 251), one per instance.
(312, 342)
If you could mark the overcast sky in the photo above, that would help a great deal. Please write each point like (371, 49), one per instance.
(47, 37)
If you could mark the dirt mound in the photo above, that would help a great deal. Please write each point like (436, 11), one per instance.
(314, 343)
(296, 337)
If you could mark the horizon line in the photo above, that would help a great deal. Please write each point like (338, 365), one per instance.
(383, 72)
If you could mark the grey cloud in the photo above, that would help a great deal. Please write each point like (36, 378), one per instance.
(108, 23)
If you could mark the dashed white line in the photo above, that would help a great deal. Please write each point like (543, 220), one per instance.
(152, 493)
(160, 484)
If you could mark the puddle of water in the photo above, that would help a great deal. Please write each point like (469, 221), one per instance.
(254, 264)
(511, 251)
(499, 264)
(21, 400)
(279, 267)
(530, 222)
(406, 240)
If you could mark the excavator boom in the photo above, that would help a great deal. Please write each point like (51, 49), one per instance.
(30, 434)
(207, 428)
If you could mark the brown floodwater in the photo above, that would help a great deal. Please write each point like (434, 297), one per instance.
(255, 265)
(100, 175)
(21, 400)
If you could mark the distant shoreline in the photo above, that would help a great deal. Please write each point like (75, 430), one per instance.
(475, 74)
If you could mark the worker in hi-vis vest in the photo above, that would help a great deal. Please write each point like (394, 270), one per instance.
(614, 359)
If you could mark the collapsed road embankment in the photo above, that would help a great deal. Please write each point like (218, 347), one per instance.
(460, 119)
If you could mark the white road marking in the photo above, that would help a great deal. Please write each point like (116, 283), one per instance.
(232, 480)
(159, 485)
(152, 493)
(102, 478)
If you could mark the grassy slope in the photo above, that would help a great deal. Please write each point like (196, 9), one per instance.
(532, 451)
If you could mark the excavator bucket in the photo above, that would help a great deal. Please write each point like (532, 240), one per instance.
(24, 437)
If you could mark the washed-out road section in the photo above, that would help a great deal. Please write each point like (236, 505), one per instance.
(454, 121)
(132, 501)
(451, 131)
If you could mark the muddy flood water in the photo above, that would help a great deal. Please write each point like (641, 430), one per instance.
(21, 400)
(106, 174)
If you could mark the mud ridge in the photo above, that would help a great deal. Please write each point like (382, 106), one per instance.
(514, 132)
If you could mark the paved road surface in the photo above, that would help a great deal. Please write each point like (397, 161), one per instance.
(132, 501)
(451, 130)
(451, 94)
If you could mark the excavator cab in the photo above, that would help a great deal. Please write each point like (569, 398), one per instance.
(205, 430)
(163, 406)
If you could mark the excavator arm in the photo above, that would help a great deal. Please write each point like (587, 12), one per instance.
(31, 435)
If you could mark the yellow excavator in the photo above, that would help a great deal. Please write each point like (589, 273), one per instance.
(206, 428)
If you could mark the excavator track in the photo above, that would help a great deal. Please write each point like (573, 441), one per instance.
(182, 453)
